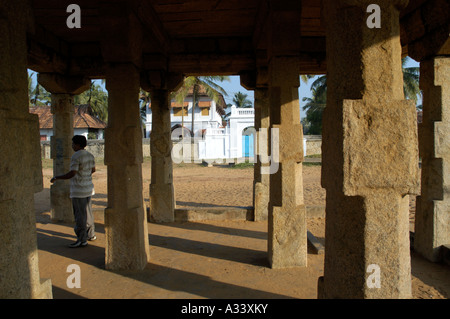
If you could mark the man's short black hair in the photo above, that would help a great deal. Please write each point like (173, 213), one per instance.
(79, 140)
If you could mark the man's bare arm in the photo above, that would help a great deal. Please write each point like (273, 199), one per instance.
(68, 175)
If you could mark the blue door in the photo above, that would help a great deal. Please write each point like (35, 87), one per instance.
(247, 146)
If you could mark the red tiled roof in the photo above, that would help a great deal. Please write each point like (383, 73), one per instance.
(81, 117)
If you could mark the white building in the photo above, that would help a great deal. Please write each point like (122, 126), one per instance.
(208, 114)
(234, 141)
(215, 136)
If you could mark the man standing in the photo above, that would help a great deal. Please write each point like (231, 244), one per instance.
(82, 165)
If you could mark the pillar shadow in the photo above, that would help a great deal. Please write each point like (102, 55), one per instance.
(199, 285)
(162, 276)
(57, 243)
(217, 251)
(219, 229)
(59, 293)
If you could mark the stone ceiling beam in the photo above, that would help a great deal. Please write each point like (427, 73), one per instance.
(425, 30)
(122, 34)
(145, 12)
(46, 52)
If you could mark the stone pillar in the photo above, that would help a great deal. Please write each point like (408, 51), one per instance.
(261, 182)
(287, 242)
(162, 198)
(63, 88)
(20, 161)
(369, 154)
(125, 220)
(432, 224)
(61, 152)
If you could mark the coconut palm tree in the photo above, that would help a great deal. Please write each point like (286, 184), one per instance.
(411, 77)
(314, 109)
(30, 90)
(240, 100)
(97, 99)
(144, 99)
(194, 84)
(317, 102)
(38, 95)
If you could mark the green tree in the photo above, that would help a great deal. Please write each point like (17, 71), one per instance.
(316, 104)
(97, 99)
(37, 96)
(30, 87)
(194, 84)
(314, 109)
(411, 77)
(144, 99)
(241, 100)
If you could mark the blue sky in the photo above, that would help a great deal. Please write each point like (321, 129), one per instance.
(234, 86)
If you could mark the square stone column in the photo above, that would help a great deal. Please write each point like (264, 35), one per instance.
(432, 224)
(369, 155)
(63, 89)
(125, 219)
(162, 198)
(261, 183)
(20, 161)
(287, 242)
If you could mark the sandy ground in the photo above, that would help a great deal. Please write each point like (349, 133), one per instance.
(207, 259)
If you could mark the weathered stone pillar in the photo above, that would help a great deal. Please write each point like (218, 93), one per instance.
(261, 182)
(432, 220)
(369, 154)
(63, 88)
(125, 220)
(20, 161)
(162, 198)
(287, 242)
